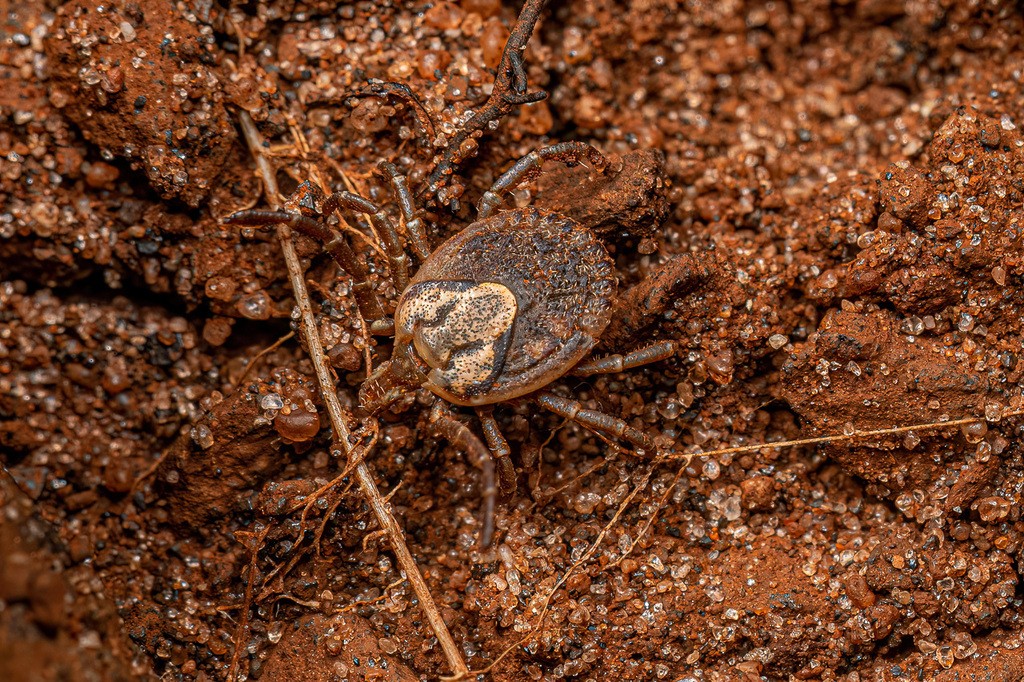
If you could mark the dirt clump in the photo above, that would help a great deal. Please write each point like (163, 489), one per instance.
(137, 81)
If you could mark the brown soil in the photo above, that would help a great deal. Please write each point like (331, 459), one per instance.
(840, 250)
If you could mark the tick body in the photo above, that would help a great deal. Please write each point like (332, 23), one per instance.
(500, 310)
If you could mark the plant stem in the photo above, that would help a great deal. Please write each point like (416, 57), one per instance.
(367, 486)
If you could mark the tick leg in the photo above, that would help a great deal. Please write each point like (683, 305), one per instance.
(597, 421)
(397, 260)
(384, 89)
(500, 450)
(459, 435)
(619, 363)
(569, 153)
(334, 244)
(508, 92)
(642, 304)
(417, 237)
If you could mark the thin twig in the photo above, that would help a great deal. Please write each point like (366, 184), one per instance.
(299, 140)
(243, 619)
(256, 358)
(383, 90)
(654, 516)
(858, 434)
(356, 603)
(842, 438)
(367, 485)
(364, 330)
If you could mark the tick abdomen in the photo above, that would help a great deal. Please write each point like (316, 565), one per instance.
(562, 279)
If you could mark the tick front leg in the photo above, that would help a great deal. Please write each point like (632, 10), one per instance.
(397, 260)
(334, 244)
(509, 91)
(459, 435)
(413, 224)
(597, 421)
(620, 363)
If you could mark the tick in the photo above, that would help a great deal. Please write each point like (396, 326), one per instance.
(511, 303)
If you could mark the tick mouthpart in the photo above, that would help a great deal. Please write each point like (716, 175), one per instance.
(391, 381)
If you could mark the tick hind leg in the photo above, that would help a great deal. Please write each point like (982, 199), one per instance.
(569, 153)
(620, 363)
(500, 450)
(611, 364)
(459, 435)
(597, 421)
